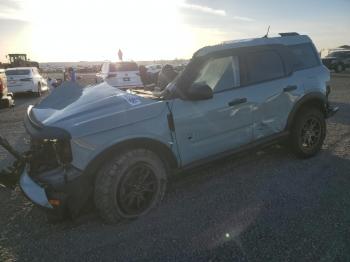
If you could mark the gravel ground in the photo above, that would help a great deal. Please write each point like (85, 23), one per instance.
(265, 206)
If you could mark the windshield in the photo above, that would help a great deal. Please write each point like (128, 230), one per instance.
(17, 72)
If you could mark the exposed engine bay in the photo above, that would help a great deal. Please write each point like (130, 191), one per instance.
(42, 156)
(48, 154)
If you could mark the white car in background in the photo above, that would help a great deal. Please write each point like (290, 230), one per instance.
(154, 69)
(124, 75)
(25, 79)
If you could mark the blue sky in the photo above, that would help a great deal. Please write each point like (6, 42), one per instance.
(73, 30)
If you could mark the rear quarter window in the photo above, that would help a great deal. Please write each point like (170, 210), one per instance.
(305, 56)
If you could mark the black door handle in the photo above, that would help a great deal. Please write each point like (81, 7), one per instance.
(237, 101)
(289, 88)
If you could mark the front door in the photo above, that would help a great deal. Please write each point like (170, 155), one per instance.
(208, 127)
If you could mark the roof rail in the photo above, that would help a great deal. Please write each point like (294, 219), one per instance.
(288, 34)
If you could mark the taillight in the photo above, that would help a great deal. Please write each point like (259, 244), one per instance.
(27, 79)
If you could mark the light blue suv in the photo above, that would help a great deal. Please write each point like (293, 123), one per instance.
(119, 148)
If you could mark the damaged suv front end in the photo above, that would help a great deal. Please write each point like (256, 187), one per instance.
(48, 171)
(69, 132)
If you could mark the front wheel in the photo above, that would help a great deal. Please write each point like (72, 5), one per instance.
(130, 185)
(308, 132)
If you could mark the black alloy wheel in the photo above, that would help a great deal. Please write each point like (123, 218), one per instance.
(310, 133)
(137, 189)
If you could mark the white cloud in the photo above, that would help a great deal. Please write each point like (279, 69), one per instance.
(13, 9)
(243, 18)
(209, 10)
(204, 9)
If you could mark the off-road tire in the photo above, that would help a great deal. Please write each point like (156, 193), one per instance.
(110, 183)
(303, 118)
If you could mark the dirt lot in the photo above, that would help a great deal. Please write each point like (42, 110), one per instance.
(266, 206)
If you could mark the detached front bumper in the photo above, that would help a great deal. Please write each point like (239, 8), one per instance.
(33, 191)
(51, 189)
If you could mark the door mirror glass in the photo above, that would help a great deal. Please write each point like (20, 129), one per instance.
(199, 91)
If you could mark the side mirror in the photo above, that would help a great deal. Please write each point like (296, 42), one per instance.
(199, 91)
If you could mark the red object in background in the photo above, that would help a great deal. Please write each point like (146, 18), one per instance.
(120, 55)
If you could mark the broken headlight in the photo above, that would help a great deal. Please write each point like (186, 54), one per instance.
(48, 154)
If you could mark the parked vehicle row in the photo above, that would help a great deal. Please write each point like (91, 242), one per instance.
(337, 60)
(128, 75)
(119, 148)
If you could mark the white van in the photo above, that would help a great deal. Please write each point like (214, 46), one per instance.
(124, 75)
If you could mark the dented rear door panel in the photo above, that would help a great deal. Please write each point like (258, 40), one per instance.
(274, 100)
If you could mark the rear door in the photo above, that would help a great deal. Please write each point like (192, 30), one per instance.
(274, 89)
(129, 78)
(124, 74)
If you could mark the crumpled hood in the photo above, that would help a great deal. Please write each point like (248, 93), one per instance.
(82, 111)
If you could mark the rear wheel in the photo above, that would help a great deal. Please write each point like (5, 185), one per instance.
(130, 185)
(308, 132)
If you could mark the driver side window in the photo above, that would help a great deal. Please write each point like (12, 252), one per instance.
(220, 73)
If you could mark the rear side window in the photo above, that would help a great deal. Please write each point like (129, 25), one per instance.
(305, 55)
(263, 66)
(17, 72)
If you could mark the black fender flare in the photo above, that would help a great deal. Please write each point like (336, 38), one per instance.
(316, 99)
(163, 151)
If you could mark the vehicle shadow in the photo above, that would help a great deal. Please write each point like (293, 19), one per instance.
(301, 212)
(266, 206)
(24, 99)
(261, 206)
